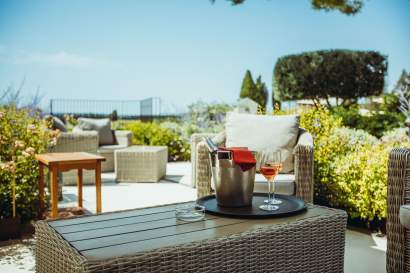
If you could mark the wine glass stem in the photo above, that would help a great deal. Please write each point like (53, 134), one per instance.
(269, 191)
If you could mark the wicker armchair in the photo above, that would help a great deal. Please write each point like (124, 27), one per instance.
(303, 169)
(76, 142)
(398, 194)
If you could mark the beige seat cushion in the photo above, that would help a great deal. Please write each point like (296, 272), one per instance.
(263, 132)
(405, 216)
(284, 184)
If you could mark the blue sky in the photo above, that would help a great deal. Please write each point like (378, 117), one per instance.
(181, 51)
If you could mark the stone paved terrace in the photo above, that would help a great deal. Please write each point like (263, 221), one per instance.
(365, 253)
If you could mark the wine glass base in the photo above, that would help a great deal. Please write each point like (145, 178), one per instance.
(273, 201)
(268, 207)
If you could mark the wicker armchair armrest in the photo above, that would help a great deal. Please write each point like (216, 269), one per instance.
(195, 139)
(86, 141)
(303, 153)
(203, 169)
(123, 137)
(398, 194)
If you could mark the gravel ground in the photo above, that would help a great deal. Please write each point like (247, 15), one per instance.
(17, 256)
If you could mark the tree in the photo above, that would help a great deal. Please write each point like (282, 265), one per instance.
(403, 83)
(255, 91)
(348, 7)
(342, 74)
(262, 91)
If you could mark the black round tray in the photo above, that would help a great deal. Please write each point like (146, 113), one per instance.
(290, 205)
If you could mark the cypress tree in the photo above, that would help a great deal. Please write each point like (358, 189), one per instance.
(255, 91)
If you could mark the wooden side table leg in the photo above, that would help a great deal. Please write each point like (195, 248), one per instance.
(41, 190)
(80, 187)
(54, 191)
(98, 185)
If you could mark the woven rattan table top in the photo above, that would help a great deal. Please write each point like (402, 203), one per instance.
(128, 232)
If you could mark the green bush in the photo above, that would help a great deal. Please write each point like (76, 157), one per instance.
(316, 75)
(377, 122)
(205, 117)
(153, 134)
(21, 137)
(350, 166)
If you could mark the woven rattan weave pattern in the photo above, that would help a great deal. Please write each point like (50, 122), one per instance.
(398, 194)
(153, 240)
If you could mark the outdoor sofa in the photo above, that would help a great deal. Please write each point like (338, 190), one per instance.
(89, 139)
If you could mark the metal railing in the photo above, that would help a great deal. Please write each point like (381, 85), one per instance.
(130, 109)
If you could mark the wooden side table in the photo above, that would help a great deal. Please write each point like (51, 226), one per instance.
(61, 162)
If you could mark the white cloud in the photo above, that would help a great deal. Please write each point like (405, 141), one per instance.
(60, 58)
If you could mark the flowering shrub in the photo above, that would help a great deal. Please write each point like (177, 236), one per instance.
(21, 137)
(350, 165)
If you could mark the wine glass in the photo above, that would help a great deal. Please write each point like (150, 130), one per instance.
(271, 165)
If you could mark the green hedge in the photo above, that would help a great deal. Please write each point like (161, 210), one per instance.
(350, 166)
(21, 137)
(147, 133)
(375, 123)
(343, 74)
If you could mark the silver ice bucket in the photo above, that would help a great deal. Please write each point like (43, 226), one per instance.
(233, 187)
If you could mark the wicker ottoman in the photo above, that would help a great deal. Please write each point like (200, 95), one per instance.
(141, 163)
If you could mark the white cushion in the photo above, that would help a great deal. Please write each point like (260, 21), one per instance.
(405, 216)
(261, 132)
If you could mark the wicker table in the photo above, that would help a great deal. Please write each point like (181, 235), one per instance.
(153, 240)
(141, 163)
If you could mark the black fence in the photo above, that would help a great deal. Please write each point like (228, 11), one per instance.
(116, 109)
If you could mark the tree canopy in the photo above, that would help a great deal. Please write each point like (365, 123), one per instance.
(341, 74)
(349, 7)
(258, 91)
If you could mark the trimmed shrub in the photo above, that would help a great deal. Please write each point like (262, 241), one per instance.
(21, 137)
(153, 134)
(316, 75)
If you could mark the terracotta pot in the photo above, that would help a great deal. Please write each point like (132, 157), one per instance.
(10, 228)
